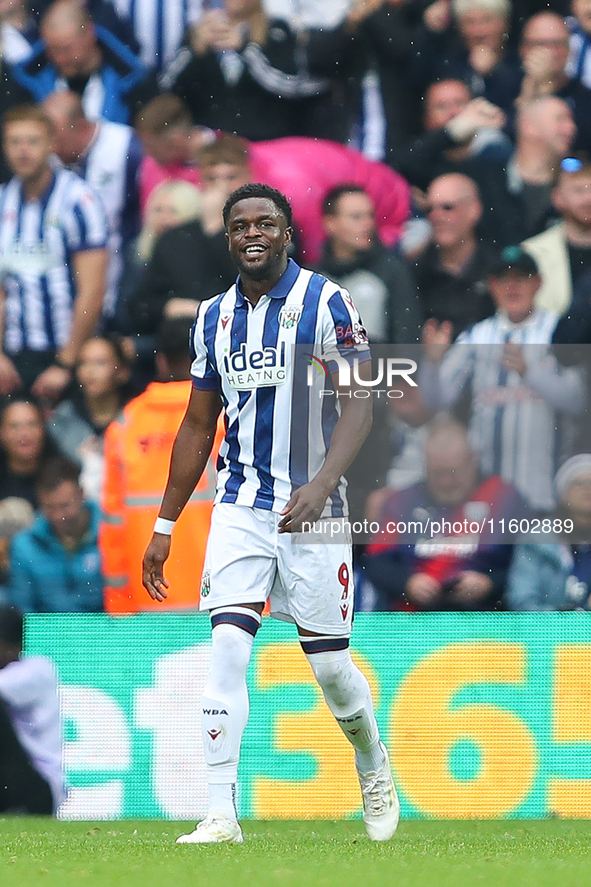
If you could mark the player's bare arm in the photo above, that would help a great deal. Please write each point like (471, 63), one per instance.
(191, 450)
(307, 503)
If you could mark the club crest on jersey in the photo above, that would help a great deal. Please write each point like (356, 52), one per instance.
(206, 583)
(262, 367)
(290, 315)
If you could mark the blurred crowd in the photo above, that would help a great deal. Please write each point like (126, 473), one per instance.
(437, 156)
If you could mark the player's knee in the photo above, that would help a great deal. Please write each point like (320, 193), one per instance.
(232, 639)
(231, 645)
(332, 669)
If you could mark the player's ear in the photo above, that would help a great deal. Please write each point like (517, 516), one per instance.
(288, 236)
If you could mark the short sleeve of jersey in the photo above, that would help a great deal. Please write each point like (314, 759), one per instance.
(85, 220)
(343, 331)
(204, 375)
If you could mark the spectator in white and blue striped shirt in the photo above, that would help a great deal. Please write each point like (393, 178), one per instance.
(108, 156)
(522, 398)
(53, 234)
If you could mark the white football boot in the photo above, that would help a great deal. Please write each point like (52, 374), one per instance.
(381, 807)
(214, 829)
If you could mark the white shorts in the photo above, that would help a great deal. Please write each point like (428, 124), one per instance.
(248, 561)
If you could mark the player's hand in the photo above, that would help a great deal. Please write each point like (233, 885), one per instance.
(154, 559)
(10, 381)
(422, 589)
(305, 506)
(50, 384)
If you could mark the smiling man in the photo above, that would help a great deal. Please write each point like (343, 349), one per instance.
(244, 361)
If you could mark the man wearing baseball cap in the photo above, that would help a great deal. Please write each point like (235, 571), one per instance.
(520, 393)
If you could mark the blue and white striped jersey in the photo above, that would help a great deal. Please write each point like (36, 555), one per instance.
(159, 26)
(278, 429)
(111, 166)
(516, 421)
(38, 239)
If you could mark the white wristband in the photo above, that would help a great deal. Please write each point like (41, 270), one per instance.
(163, 526)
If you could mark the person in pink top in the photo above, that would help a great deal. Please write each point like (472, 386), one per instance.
(303, 169)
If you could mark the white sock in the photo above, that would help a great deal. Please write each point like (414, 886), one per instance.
(348, 696)
(225, 706)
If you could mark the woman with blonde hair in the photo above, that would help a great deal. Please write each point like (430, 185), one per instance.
(170, 204)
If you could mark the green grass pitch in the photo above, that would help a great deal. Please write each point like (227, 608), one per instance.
(45, 853)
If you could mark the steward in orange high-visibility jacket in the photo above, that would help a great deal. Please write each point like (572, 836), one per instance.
(138, 446)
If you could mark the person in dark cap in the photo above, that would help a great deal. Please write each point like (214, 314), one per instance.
(520, 395)
(31, 768)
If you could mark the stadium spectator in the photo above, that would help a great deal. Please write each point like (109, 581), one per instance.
(305, 169)
(11, 95)
(544, 50)
(382, 36)
(244, 74)
(102, 13)
(15, 515)
(53, 233)
(545, 132)
(31, 762)
(474, 50)
(55, 564)
(159, 26)
(454, 570)
(108, 156)
(515, 188)
(555, 574)
(78, 424)
(86, 58)
(451, 275)
(24, 447)
(563, 252)
(18, 31)
(579, 62)
(519, 395)
(190, 262)
(379, 282)
(171, 204)
(574, 327)
(457, 128)
(267, 490)
(137, 457)
(170, 143)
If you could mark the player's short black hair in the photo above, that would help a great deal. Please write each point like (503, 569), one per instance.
(256, 189)
(11, 625)
(332, 197)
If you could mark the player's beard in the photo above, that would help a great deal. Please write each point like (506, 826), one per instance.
(262, 271)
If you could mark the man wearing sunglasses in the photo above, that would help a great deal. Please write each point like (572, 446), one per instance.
(451, 274)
